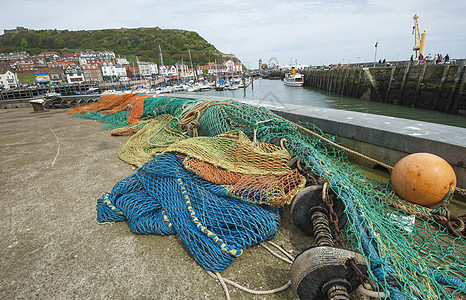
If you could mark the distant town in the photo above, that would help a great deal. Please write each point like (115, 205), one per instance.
(94, 67)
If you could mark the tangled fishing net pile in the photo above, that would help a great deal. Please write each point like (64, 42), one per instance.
(208, 173)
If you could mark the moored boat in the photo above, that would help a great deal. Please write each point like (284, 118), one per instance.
(294, 79)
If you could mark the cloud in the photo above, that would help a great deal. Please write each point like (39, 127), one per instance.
(313, 32)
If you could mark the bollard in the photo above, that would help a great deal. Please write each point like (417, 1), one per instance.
(37, 104)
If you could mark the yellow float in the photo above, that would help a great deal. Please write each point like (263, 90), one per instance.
(423, 178)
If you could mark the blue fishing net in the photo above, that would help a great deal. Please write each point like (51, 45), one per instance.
(164, 198)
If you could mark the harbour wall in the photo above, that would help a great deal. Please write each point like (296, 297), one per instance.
(434, 87)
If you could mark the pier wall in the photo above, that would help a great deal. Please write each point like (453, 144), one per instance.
(435, 87)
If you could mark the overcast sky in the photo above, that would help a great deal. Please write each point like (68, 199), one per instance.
(309, 32)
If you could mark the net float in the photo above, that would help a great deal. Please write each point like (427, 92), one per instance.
(423, 178)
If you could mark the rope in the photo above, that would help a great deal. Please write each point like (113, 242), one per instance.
(245, 289)
(372, 294)
(461, 191)
(276, 255)
(223, 281)
(282, 250)
(335, 144)
(103, 222)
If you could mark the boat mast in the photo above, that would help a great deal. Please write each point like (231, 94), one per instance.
(190, 59)
(161, 56)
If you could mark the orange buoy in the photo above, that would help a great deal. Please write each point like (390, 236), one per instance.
(423, 178)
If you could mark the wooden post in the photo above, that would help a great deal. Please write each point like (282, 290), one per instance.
(392, 75)
(403, 83)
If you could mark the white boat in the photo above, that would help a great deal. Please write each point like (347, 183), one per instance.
(194, 88)
(51, 95)
(293, 78)
(164, 89)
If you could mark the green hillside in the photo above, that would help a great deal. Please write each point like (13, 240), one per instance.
(141, 42)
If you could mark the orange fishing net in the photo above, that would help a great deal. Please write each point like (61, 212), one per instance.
(111, 103)
(275, 190)
(256, 171)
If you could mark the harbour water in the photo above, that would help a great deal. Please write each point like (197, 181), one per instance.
(275, 91)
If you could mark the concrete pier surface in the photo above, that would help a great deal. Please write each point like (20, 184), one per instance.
(53, 169)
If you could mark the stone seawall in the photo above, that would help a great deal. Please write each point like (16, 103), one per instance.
(435, 87)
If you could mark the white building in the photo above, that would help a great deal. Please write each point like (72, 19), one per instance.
(183, 69)
(231, 66)
(109, 71)
(74, 75)
(163, 71)
(147, 69)
(173, 70)
(120, 71)
(121, 61)
(8, 80)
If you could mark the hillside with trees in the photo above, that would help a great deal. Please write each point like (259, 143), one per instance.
(141, 42)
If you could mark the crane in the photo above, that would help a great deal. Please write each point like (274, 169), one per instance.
(419, 38)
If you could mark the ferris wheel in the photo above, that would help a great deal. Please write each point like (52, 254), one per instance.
(273, 63)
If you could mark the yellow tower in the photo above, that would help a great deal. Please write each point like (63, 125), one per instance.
(419, 39)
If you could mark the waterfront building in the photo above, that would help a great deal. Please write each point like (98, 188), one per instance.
(97, 58)
(42, 78)
(132, 71)
(74, 74)
(182, 69)
(8, 80)
(163, 71)
(211, 68)
(173, 72)
(92, 73)
(120, 71)
(108, 72)
(147, 69)
(232, 67)
(56, 75)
